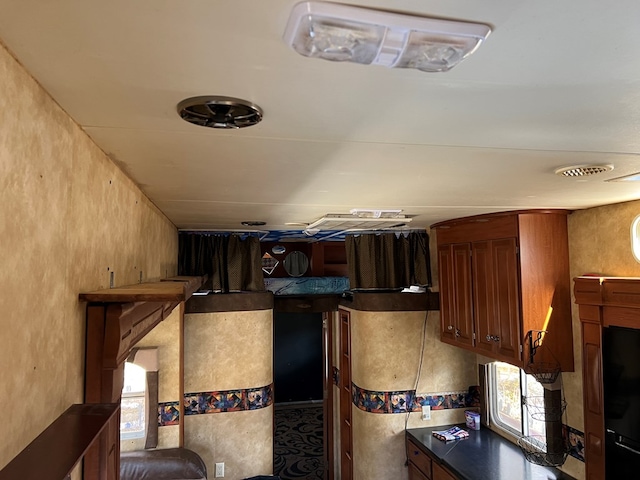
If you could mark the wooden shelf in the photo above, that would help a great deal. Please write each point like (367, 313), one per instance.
(57, 450)
(174, 289)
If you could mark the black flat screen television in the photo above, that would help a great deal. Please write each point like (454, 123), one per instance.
(621, 376)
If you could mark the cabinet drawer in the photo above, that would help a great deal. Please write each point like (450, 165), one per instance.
(419, 459)
(415, 473)
(439, 473)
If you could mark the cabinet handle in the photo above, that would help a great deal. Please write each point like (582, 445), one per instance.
(496, 338)
(450, 327)
(457, 332)
(489, 338)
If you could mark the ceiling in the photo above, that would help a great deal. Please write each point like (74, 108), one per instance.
(555, 84)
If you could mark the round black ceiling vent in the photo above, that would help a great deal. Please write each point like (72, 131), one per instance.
(219, 112)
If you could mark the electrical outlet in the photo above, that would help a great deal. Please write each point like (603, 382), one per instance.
(220, 470)
(426, 412)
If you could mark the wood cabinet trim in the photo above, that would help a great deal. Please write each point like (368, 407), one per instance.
(511, 213)
(602, 302)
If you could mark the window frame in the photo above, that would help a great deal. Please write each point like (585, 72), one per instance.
(494, 415)
(142, 397)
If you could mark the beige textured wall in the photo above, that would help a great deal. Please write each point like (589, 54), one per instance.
(226, 351)
(68, 216)
(242, 440)
(386, 356)
(599, 242)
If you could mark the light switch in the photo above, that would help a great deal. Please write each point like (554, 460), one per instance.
(426, 412)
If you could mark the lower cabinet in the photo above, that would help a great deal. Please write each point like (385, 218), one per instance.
(440, 473)
(421, 467)
(415, 473)
(419, 462)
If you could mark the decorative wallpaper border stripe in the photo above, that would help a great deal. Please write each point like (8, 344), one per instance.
(168, 414)
(367, 400)
(404, 401)
(216, 402)
(575, 441)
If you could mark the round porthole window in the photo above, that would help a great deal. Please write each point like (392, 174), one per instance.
(635, 238)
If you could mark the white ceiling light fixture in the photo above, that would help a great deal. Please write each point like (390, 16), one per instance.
(361, 35)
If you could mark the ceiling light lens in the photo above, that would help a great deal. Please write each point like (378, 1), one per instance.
(431, 53)
(336, 40)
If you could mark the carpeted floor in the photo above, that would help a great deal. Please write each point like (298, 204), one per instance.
(298, 449)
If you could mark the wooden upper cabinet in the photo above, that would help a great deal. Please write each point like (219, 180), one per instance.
(506, 292)
(515, 280)
(496, 289)
(455, 300)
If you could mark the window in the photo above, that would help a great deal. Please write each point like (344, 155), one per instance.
(509, 386)
(133, 405)
(635, 238)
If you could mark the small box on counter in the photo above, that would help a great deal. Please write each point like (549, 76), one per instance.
(473, 419)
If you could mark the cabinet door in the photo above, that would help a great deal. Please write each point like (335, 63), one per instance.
(415, 473)
(418, 459)
(496, 298)
(439, 473)
(506, 295)
(447, 293)
(456, 310)
(483, 302)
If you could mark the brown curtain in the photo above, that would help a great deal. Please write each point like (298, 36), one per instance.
(388, 261)
(231, 262)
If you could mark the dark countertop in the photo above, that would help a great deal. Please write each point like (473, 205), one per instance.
(484, 455)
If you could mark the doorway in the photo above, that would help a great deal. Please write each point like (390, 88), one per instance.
(300, 358)
(297, 358)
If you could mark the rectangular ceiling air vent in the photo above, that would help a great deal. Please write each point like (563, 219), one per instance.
(353, 222)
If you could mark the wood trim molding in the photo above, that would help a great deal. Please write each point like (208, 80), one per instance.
(181, 375)
(392, 302)
(230, 302)
(602, 302)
